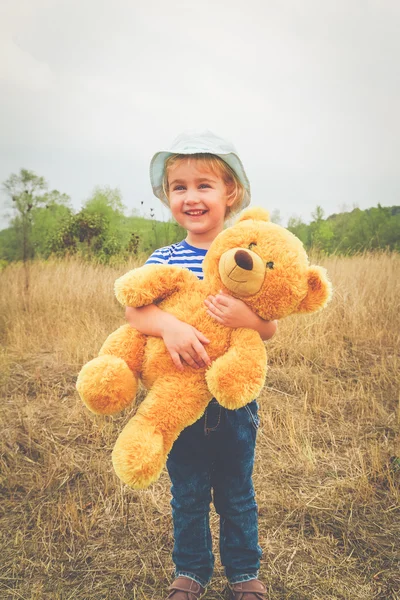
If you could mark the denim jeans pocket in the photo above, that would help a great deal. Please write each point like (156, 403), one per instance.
(252, 411)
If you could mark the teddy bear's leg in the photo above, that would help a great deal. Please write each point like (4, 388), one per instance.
(238, 376)
(173, 403)
(108, 384)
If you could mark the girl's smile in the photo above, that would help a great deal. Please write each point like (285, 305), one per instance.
(195, 213)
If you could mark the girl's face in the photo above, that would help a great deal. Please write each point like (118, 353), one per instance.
(198, 199)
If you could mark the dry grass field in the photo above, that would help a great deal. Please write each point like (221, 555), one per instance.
(327, 473)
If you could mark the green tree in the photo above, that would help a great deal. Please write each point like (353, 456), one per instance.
(318, 214)
(9, 248)
(106, 204)
(38, 214)
(98, 231)
(321, 231)
(300, 230)
(80, 232)
(48, 219)
(26, 191)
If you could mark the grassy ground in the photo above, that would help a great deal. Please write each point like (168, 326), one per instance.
(326, 476)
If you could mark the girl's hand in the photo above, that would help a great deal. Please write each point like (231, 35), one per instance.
(230, 311)
(185, 342)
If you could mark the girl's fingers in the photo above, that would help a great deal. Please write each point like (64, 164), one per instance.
(222, 299)
(214, 308)
(189, 360)
(202, 354)
(216, 317)
(201, 337)
(176, 360)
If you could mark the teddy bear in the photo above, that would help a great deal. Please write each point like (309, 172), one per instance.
(255, 260)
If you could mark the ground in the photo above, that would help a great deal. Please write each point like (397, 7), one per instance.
(327, 473)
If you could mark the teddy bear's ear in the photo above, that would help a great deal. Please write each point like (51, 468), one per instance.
(319, 290)
(256, 213)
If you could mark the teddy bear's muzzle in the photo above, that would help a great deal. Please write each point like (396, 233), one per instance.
(242, 271)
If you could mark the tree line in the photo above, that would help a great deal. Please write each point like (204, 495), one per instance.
(45, 224)
(350, 232)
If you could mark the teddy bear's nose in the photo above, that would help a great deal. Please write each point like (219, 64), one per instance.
(244, 260)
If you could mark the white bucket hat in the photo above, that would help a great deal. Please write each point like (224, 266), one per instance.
(198, 143)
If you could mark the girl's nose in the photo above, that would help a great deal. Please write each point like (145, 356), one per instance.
(191, 196)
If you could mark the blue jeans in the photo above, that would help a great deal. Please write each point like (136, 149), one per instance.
(216, 454)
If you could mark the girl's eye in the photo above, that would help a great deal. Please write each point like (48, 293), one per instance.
(251, 245)
(204, 185)
(270, 264)
(177, 188)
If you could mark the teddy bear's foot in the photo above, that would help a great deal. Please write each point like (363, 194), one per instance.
(234, 390)
(106, 385)
(138, 456)
(238, 376)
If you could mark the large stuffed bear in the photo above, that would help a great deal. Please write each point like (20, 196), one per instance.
(255, 260)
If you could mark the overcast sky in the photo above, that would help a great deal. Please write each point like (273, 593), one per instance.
(307, 90)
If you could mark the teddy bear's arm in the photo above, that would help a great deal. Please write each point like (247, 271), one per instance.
(238, 376)
(151, 283)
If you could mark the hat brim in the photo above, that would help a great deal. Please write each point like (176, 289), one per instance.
(157, 166)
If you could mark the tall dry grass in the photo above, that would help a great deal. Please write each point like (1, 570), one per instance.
(327, 471)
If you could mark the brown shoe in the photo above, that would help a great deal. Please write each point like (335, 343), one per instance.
(185, 588)
(248, 590)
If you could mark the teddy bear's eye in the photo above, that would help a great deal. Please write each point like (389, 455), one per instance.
(251, 245)
(270, 264)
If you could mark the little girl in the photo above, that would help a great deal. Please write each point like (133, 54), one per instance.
(202, 180)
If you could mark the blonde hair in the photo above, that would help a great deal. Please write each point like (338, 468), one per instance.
(219, 167)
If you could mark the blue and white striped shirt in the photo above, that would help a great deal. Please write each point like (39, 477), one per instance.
(181, 255)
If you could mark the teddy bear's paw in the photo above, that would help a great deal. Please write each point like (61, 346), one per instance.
(138, 456)
(106, 385)
(233, 392)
